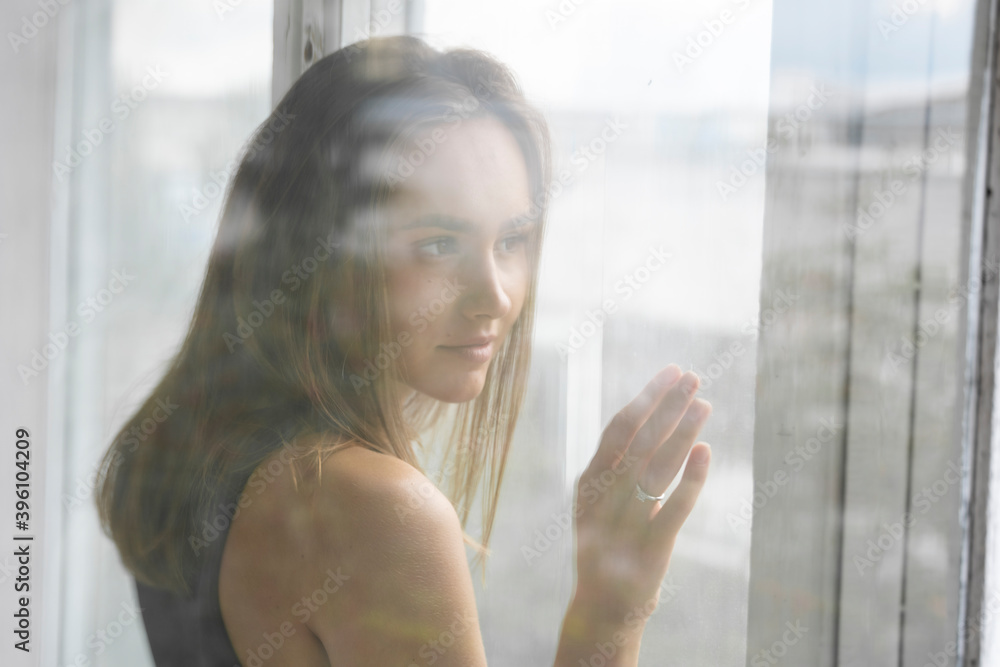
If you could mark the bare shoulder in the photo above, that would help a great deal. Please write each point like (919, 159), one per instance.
(396, 541)
(360, 485)
(363, 560)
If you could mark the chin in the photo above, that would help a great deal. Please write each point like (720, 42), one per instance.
(449, 388)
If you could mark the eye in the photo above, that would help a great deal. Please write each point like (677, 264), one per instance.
(515, 241)
(437, 247)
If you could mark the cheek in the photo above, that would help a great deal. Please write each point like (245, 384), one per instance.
(414, 304)
(517, 290)
(404, 298)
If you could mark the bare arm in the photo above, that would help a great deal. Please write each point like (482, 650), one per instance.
(409, 600)
(623, 544)
(585, 636)
(406, 595)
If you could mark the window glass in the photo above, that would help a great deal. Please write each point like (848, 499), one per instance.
(652, 256)
(663, 235)
(182, 84)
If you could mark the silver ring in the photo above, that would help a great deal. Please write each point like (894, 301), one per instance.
(642, 495)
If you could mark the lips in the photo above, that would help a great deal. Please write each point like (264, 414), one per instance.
(479, 352)
(479, 341)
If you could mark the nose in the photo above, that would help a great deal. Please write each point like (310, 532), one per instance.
(485, 295)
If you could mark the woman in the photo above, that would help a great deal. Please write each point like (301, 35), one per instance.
(375, 266)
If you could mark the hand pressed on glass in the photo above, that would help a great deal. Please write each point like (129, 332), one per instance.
(623, 544)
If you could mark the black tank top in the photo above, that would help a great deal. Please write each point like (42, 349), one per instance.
(189, 631)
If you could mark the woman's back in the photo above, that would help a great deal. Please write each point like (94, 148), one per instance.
(364, 562)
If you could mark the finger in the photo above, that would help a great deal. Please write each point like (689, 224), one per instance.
(626, 423)
(667, 460)
(661, 424)
(668, 521)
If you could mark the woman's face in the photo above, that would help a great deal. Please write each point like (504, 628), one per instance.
(457, 255)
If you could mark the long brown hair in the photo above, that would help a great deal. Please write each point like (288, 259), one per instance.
(272, 354)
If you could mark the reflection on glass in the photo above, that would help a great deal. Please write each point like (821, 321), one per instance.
(375, 258)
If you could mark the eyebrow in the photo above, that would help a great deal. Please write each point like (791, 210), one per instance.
(459, 225)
